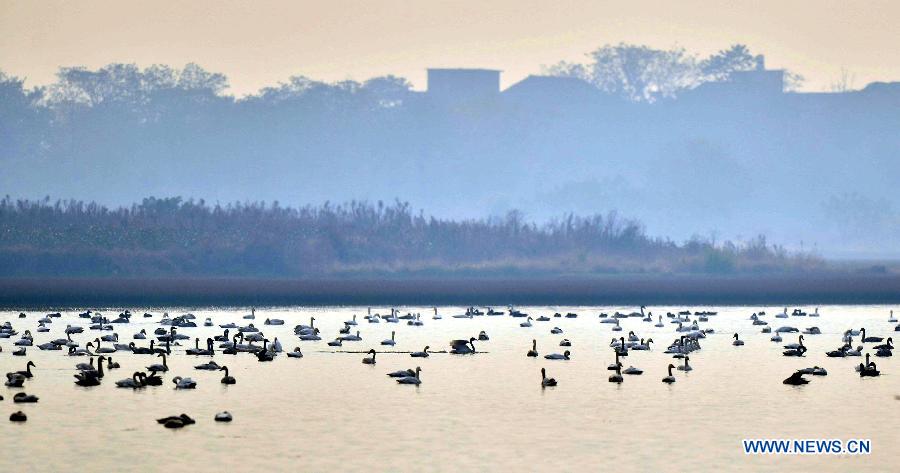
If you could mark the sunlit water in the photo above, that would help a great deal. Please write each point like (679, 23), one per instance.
(472, 412)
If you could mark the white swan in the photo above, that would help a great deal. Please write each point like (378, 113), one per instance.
(369, 360)
(462, 347)
(411, 379)
(557, 356)
(389, 342)
(670, 378)
(184, 383)
(533, 352)
(617, 377)
(545, 381)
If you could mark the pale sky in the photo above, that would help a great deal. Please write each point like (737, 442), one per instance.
(260, 43)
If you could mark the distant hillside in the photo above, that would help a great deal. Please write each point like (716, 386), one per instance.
(718, 146)
(173, 237)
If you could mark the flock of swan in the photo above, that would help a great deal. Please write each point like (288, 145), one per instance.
(98, 343)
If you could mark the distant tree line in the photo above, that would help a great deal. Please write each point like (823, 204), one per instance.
(172, 236)
(644, 74)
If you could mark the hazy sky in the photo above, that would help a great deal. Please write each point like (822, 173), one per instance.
(262, 42)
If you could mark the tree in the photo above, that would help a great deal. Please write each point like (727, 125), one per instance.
(637, 73)
(719, 66)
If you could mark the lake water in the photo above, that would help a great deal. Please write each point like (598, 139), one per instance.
(482, 412)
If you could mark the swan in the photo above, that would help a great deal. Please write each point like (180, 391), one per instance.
(14, 380)
(151, 380)
(782, 315)
(737, 342)
(402, 373)
(545, 381)
(649, 317)
(211, 366)
(337, 342)
(462, 347)
(642, 345)
(533, 352)
(223, 416)
(390, 341)
(866, 339)
(557, 356)
(276, 346)
(632, 337)
(99, 349)
(796, 379)
(617, 327)
(352, 338)
(670, 378)
(227, 379)
(176, 422)
(795, 346)
(420, 354)
(196, 350)
(526, 323)
(114, 337)
(411, 379)
(89, 378)
(184, 383)
(799, 351)
(633, 371)
(273, 322)
(18, 416)
(868, 370)
(352, 321)
(265, 354)
(436, 315)
(301, 329)
(776, 338)
(89, 366)
(565, 343)
(556, 331)
(889, 345)
(660, 323)
(26, 398)
(859, 366)
(296, 353)
(159, 367)
(891, 318)
(27, 372)
(686, 366)
(369, 360)
(543, 318)
(311, 337)
(133, 382)
(815, 370)
(617, 377)
(483, 337)
(19, 352)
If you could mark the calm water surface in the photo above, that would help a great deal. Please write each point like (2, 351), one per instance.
(477, 412)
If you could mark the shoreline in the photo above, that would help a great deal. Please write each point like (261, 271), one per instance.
(790, 289)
